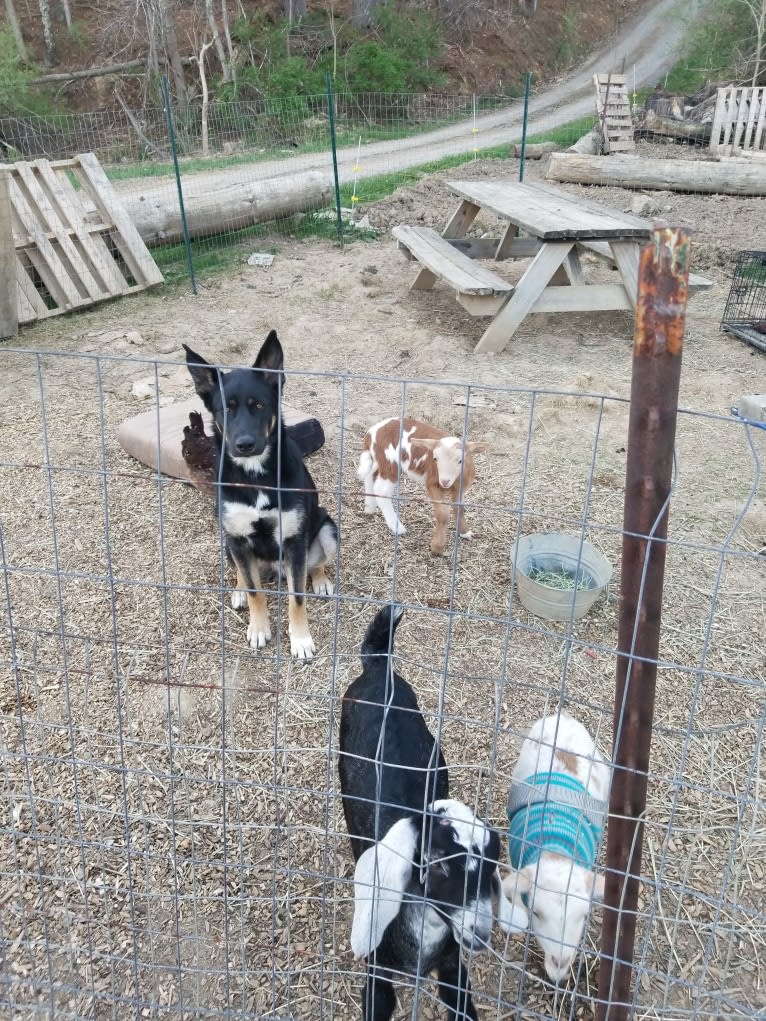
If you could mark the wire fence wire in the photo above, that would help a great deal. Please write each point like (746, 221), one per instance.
(251, 171)
(172, 842)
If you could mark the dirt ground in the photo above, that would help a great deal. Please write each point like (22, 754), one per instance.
(181, 846)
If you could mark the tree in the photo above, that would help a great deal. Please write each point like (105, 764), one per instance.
(203, 81)
(757, 9)
(14, 78)
(49, 42)
(294, 9)
(363, 12)
(172, 52)
(216, 41)
(13, 24)
(66, 11)
(162, 49)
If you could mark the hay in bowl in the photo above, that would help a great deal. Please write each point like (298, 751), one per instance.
(559, 576)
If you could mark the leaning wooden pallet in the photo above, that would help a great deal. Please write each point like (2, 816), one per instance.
(739, 122)
(614, 116)
(73, 244)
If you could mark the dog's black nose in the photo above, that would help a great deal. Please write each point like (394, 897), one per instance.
(245, 446)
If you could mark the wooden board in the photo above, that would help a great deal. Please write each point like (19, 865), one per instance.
(446, 262)
(614, 116)
(9, 314)
(604, 252)
(739, 122)
(550, 214)
(74, 243)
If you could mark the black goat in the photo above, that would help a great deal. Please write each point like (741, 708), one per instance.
(426, 867)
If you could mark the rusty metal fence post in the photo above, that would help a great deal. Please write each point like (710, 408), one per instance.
(660, 318)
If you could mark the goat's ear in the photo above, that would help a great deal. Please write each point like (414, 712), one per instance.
(511, 914)
(597, 888)
(380, 879)
(517, 884)
(416, 441)
(477, 446)
(271, 359)
(205, 376)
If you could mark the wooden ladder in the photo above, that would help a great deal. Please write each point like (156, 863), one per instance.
(614, 117)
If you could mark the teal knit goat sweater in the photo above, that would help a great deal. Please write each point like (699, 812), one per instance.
(553, 812)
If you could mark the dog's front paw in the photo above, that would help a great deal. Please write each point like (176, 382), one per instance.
(322, 585)
(238, 599)
(258, 635)
(466, 535)
(302, 646)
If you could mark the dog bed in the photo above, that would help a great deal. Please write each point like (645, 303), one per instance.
(155, 438)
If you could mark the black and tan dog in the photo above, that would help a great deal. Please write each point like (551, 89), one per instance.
(267, 501)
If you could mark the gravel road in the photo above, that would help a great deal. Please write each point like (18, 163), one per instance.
(646, 47)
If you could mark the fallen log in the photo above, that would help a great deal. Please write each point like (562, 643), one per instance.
(535, 150)
(589, 143)
(732, 177)
(669, 127)
(214, 203)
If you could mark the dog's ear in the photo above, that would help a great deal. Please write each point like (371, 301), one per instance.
(477, 446)
(205, 376)
(271, 360)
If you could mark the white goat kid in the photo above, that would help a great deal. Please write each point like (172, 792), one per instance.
(557, 807)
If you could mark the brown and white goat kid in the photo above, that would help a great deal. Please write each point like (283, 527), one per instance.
(440, 462)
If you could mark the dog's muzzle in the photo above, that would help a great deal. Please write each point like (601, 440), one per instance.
(248, 446)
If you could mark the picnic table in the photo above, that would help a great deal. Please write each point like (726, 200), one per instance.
(545, 225)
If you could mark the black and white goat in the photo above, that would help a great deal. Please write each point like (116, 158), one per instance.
(426, 876)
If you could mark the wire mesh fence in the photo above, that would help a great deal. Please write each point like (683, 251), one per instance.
(173, 840)
(253, 171)
(172, 836)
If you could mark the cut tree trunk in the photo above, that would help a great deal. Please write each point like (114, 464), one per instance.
(589, 143)
(535, 150)
(732, 177)
(669, 127)
(230, 202)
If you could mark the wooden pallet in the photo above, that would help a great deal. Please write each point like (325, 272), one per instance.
(74, 243)
(614, 117)
(739, 122)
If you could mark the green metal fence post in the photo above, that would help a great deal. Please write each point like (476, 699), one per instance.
(172, 137)
(527, 85)
(331, 117)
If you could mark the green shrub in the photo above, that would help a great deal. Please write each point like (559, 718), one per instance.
(370, 67)
(14, 77)
(292, 77)
(416, 38)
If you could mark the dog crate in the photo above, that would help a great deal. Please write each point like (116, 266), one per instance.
(745, 311)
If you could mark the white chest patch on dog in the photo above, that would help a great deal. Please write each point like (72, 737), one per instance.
(239, 519)
(254, 465)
